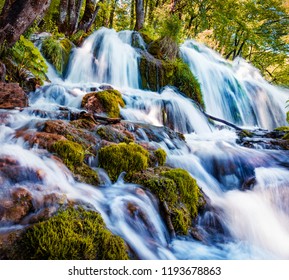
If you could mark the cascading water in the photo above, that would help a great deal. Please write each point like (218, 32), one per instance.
(105, 57)
(243, 223)
(235, 91)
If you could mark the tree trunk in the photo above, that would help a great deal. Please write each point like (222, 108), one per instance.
(132, 12)
(139, 11)
(112, 11)
(90, 13)
(18, 16)
(69, 15)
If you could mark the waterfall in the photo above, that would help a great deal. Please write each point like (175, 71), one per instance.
(242, 223)
(235, 91)
(105, 57)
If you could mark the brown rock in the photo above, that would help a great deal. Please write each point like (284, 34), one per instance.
(43, 139)
(92, 103)
(14, 209)
(11, 96)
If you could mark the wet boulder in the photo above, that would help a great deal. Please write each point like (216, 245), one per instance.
(106, 101)
(16, 206)
(12, 96)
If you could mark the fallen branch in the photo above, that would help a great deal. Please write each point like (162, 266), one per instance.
(222, 121)
(106, 119)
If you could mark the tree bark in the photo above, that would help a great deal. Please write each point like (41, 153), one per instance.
(139, 11)
(18, 16)
(90, 13)
(112, 11)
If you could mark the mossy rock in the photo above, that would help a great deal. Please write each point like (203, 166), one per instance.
(282, 128)
(57, 52)
(70, 152)
(187, 188)
(178, 190)
(164, 48)
(161, 156)
(156, 74)
(286, 136)
(78, 37)
(73, 234)
(106, 101)
(80, 131)
(72, 155)
(111, 134)
(117, 158)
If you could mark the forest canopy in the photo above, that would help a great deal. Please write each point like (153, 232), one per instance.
(256, 30)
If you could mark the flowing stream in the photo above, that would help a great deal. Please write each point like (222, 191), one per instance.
(250, 224)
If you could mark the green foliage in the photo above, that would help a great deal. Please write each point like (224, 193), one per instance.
(121, 157)
(74, 234)
(27, 58)
(57, 52)
(171, 28)
(161, 156)
(51, 17)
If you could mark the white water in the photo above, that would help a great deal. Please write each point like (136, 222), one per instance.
(235, 91)
(254, 223)
(105, 57)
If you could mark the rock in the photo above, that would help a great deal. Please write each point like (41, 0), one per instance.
(13, 172)
(16, 207)
(42, 139)
(249, 183)
(106, 101)
(12, 96)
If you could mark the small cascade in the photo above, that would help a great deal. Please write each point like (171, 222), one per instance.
(235, 91)
(105, 57)
(168, 108)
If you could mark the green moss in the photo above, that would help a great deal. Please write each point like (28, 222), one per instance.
(286, 136)
(74, 234)
(282, 128)
(70, 152)
(161, 156)
(164, 48)
(181, 220)
(78, 37)
(121, 157)
(110, 101)
(156, 74)
(178, 190)
(57, 52)
(72, 155)
(86, 174)
(187, 188)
